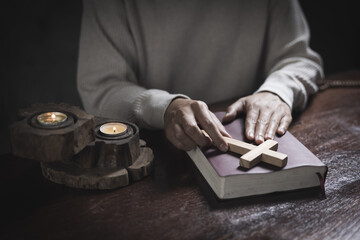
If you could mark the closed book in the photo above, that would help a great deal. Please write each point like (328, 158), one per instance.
(228, 180)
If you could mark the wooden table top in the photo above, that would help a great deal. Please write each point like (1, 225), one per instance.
(175, 202)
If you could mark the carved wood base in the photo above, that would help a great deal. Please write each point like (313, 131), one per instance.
(50, 144)
(70, 174)
(76, 152)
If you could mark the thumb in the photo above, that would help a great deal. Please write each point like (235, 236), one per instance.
(233, 110)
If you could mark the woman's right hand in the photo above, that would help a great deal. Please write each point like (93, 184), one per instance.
(183, 121)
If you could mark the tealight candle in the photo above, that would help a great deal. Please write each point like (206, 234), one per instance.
(51, 118)
(113, 129)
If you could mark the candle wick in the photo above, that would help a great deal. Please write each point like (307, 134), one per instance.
(114, 128)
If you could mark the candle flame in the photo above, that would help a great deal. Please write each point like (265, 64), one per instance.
(53, 117)
(114, 129)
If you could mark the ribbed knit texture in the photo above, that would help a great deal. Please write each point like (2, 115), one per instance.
(136, 56)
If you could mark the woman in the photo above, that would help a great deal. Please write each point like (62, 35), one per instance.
(145, 61)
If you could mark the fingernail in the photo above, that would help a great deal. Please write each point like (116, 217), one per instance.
(251, 134)
(226, 116)
(281, 131)
(268, 137)
(223, 147)
(260, 138)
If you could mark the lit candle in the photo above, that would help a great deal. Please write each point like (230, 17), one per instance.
(51, 118)
(113, 129)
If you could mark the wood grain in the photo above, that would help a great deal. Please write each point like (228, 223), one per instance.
(106, 163)
(175, 202)
(253, 154)
(61, 144)
(110, 152)
(253, 157)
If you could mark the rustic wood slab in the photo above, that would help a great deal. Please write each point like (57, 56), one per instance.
(143, 165)
(71, 174)
(49, 145)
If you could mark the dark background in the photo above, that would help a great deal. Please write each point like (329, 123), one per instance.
(39, 47)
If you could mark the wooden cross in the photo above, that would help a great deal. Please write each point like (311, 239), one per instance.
(252, 155)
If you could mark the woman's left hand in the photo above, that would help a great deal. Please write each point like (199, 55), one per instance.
(266, 114)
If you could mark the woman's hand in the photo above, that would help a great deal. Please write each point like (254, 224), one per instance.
(266, 114)
(184, 118)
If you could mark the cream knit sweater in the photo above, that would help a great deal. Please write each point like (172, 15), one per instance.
(137, 55)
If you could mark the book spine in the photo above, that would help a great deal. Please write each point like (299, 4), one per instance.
(322, 178)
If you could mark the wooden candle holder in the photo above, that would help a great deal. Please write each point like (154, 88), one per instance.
(111, 152)
(29, 139)
(76, 153)
(106, 163)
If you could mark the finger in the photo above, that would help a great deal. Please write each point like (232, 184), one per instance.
(180, 139)
(273, 126)
(250, 123)
(262, 125)
(284, 124)
(191, 129)
(233, 110)
(205, 120)
(220, 126)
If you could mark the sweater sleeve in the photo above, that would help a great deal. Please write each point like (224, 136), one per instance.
(291, 67)
(107, 76)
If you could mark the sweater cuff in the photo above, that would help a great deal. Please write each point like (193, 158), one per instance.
(289, 89)
(150, 107)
